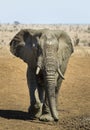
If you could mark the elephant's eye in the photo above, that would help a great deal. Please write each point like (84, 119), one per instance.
(33, 45)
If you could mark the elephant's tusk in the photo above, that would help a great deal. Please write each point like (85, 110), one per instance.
(59, 71)
(37, 70)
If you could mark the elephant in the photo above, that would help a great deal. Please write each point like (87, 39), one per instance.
(46, 53)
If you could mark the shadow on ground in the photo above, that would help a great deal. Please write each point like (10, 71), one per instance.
(15, 114)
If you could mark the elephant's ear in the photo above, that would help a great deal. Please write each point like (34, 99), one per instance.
(65, 50)
(24, 36)
(19, 41)
(17, 38)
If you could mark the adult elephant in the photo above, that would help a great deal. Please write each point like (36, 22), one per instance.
(47, 53)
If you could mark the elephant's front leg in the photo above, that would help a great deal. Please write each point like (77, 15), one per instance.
(46, 113)
(35, 109)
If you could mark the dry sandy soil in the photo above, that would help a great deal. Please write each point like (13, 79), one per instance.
(74, 97)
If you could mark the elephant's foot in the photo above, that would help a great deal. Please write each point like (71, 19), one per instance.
(46, 114)
(35, 111)
(46, 118)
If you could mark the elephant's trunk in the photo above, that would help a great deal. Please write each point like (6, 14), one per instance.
(50, 79)
(50, 89)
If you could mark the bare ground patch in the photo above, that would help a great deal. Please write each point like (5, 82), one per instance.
(74, 98)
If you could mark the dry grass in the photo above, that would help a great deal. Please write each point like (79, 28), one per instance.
(75, 31)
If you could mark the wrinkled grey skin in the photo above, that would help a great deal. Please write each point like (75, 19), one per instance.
(47, 53)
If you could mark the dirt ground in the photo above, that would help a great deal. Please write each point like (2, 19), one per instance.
(74, 98)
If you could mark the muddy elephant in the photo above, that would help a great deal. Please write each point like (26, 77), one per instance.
(46, 53)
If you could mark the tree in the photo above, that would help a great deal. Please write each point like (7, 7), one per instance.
(16, 22)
